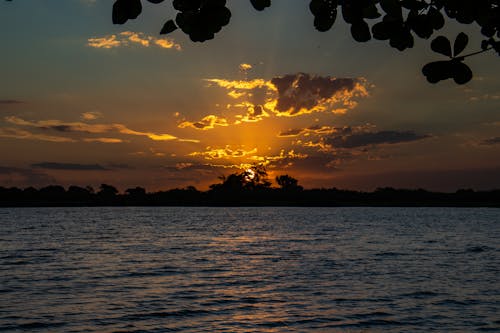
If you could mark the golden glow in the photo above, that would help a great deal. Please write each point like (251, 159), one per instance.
(245, 67)
(91, 115)
(249, 174)
(243, 84)
(107, 42)
(103, 140)
(128, 38)
(80, 127)
(224, 153)
(15, 133)
(205, 123)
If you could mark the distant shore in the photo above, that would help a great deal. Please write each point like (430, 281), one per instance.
(55, 196)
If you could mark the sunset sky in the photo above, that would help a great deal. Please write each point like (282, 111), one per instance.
(85, 102)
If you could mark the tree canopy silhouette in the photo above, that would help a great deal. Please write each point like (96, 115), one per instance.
(397, 21)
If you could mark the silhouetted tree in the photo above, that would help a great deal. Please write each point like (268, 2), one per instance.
(397, 21)
(136, 192)
(252, 179)
(107, 194)
(30, 194)
(288, 183)
(77, 193)
(52, 193)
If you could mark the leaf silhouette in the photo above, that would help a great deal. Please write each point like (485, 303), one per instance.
(260, 4)
(124, 10)
(460, 43)
(360, 31)
(461, 72)
(441, 45)
(168, 27)
(447, 69)
(437, 71)
(324, 22)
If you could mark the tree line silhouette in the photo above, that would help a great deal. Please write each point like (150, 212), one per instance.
(251, 187)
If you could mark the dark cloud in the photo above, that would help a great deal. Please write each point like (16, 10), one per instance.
(373, 138)
(316, 129)
(61, 128)
(68, 166)
(9, 101)
(291, 132)
(12, 176)
(188, 166)
(121, 166)
(434, 180)
(491, 141)
(303, 91)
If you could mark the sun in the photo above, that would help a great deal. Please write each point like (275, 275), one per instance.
(249, 174)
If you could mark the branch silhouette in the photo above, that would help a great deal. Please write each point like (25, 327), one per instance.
(397, 21)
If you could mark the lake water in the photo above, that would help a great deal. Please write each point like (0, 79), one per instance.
(249, 270)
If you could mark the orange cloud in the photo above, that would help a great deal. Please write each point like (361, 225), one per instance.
(128, 38)
(246, 157)
(91, 115)
(224, 153)
(206, 123)
(16, 133)
(80, 127)
(302, 93)
(103, 140)
(254, 113)
(283, 155)
(290, 95)
(244, 68)
(316, 129)
(107, 42)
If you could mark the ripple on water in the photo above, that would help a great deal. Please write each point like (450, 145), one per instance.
(249, 270)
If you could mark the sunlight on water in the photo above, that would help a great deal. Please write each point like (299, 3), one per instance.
(249, 269)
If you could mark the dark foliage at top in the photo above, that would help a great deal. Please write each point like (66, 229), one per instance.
(397, 21)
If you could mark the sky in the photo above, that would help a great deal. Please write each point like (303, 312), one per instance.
(85, 102)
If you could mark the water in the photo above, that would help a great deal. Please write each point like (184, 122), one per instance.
(249, 270)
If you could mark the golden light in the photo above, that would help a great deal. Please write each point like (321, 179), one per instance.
(249, 174)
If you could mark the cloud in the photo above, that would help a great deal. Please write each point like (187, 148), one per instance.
(91, 115)
(107, 42)
(104, 140)
(224, 153)
(206, 123)
(16, 133)
(289, 95)
(226, 157)
(254, 114)
(302, 93)
(244, 68)
(189, 166)
(12, 176)
(491, 141)
(80, 127)
(282, 156)
(128, 38)
(316, 129)
(10, 101)
(356, 140)
(68, 166)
